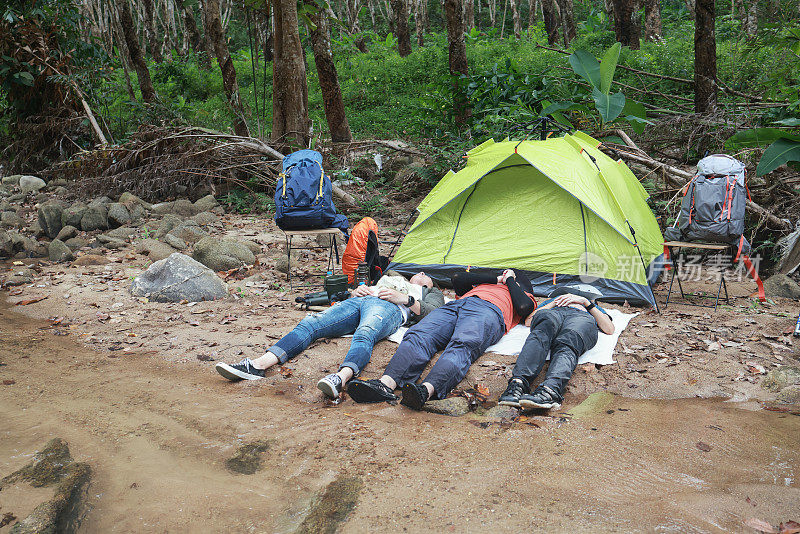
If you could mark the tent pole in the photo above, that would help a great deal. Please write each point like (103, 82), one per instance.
(400, 237)
(636, 245)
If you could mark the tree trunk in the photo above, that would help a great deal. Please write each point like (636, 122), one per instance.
(625, 28)
(129, 33)
(533, 7)
(469, 13)
(608, 7)
(690, 7)
(652, 20)
(290, 122)
(750, 18)
(568, 20)
(400, 9)
(705, 58)
(329, 80)
(195, 39)
(492, 7)
(124, 53)
(454, 15)
(213, 27)
(205, 44)
(150, 32)
(515, 18)
(419, 20)
(551, 22)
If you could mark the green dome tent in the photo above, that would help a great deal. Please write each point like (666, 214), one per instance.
(559, 210)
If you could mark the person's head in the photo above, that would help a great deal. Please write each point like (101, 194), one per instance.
(422, 279)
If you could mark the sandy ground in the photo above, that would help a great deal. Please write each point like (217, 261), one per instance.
(131, 386)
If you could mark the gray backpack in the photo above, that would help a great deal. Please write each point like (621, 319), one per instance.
(713, 204)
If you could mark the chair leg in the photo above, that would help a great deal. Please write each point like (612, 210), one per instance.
(289, 261)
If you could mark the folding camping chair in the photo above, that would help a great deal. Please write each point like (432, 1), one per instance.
(331, 247)
(676, 255)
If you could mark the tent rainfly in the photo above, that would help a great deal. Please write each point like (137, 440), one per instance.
(559, 210)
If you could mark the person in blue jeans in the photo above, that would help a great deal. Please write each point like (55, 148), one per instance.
(370, 314)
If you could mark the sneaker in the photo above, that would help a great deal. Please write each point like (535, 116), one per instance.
(515, 390)
(243, 370)
(331, 385)
(543, 398)
(370, 391)
(414, 396)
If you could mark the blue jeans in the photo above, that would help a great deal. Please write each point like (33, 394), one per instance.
(464, 328)
(369, 319)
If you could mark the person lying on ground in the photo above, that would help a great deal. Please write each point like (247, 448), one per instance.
(488, 306)
(565, 327)
(370, 314)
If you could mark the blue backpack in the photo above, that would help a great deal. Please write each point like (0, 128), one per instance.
(303, 195)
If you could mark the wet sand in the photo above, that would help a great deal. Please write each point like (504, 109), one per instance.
(157, 434)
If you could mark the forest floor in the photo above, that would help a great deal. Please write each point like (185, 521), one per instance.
(674, 436)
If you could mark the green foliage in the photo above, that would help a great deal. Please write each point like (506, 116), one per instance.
(784, 147)
(778, 153)
(245, 201)
(600, 76)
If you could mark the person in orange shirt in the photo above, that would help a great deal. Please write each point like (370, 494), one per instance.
(488, 306)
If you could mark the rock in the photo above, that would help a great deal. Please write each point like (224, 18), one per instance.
(16, 197)
(33, 249)
(155, 250)
(167, 223)
(100, 202)
(452, 406)
(790, 395)
(17, 240)
(130, 200)
(118, 215)
(47, 467)
(137, 212)
(41, 198)
(594, 404)
(254, 247)
(31, 184)
(204, 218)
(222, 254)
(36, 229)
(333, 507)
(189, 232)
(17, 280)
(60, 190)
(5, 205)
(175, 242)
(502, 412)
(162, 208)
(94, 218)
(57, 182)
(9, 219)
(207, 203)
(90, 259)
(6, 245)
(282, 264)
(781, 377)
(184, 207)
(58, 251)
(780, 285)
(72, 215)
(12, 179)
(176, 278)
(247, 459)
(110, 242)
(50, 215)
(67, 232)
(75, 243)
(123, 232)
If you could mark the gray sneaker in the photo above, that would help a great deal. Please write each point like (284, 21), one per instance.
(543, 398)
(331, 385)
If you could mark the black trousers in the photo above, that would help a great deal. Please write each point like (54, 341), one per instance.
(565, 333)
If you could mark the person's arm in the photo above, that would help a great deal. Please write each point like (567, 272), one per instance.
(522, 303)
(464, 281)
(604, 322)
(434, 298)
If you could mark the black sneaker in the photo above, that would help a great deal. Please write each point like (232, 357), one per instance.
(370, 391)
(515, 390)
(414, 396)
(331, 385)
(543, 398)
(243, 370)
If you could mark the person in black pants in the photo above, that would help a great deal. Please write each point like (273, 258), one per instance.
(488, 306)
(565, 326)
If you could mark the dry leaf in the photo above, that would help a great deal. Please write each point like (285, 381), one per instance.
(29, 301)
(790, 527)
(9, 382)
(705, 447)
(286, 372)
